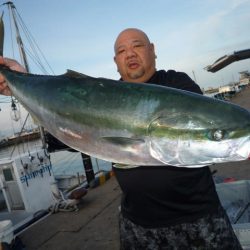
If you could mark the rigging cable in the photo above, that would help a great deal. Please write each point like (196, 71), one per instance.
(14, 147)
(32, 43)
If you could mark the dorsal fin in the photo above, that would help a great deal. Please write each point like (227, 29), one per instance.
(72, 73)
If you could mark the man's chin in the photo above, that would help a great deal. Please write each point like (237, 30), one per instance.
(136, 75)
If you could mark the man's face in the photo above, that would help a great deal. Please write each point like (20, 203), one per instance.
(134, 56)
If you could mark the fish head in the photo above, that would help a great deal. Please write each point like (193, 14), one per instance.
(195, 140)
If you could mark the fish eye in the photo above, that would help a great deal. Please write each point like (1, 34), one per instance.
(217, 135)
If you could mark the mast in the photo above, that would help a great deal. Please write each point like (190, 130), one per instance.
(12, 10)
(1, 35)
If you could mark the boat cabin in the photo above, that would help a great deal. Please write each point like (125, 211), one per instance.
(25, 187)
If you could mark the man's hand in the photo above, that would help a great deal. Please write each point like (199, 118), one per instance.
(12, 64)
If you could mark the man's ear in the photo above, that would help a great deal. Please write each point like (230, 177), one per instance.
(114, 59)
(152, 47)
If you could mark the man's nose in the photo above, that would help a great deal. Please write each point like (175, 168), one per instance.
(131, 52)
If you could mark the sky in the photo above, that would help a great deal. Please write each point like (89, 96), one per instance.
(188, 35)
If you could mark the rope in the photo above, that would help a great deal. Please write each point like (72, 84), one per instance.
(64, 206)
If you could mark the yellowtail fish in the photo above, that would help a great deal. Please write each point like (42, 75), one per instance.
(134, 124)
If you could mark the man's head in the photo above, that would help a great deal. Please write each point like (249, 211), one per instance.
(134, 56)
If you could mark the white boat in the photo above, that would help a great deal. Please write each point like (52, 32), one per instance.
(25, 191)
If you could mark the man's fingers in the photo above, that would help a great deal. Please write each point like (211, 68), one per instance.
(12, 64)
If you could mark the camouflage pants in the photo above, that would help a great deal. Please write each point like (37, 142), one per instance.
(213, 232)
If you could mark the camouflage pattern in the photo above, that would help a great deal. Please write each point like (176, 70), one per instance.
(212, 232)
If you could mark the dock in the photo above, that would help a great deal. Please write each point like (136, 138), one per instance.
(94, 226)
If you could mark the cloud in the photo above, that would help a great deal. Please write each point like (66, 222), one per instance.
(194, 44)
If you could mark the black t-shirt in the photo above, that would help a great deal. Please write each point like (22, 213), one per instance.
(159, 196)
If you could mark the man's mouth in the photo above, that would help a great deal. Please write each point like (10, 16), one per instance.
(133, 65)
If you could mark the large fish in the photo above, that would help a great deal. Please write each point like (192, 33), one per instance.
(134, 124)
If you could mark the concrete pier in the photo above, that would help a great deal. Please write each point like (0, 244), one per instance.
(94, 226)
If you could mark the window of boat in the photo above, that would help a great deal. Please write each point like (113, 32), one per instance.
(8, 174)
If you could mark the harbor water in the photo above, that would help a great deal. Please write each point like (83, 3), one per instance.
(63, 162)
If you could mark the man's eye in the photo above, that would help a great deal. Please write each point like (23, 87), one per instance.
(138, 45)
(120, 51)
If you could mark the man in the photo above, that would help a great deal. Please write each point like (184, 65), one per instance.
(163, 207)
(166, 207)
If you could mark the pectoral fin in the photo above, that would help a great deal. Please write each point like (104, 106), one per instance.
(124, 166)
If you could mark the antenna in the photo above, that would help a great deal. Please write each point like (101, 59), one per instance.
(194, 76)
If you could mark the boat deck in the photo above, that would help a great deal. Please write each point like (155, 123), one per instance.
(18, 217)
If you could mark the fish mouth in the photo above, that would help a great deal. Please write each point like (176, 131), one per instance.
(244, 149)
(181, 153)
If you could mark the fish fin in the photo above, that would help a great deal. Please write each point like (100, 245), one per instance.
(124, 166)
(123, 141)
(72, 73)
